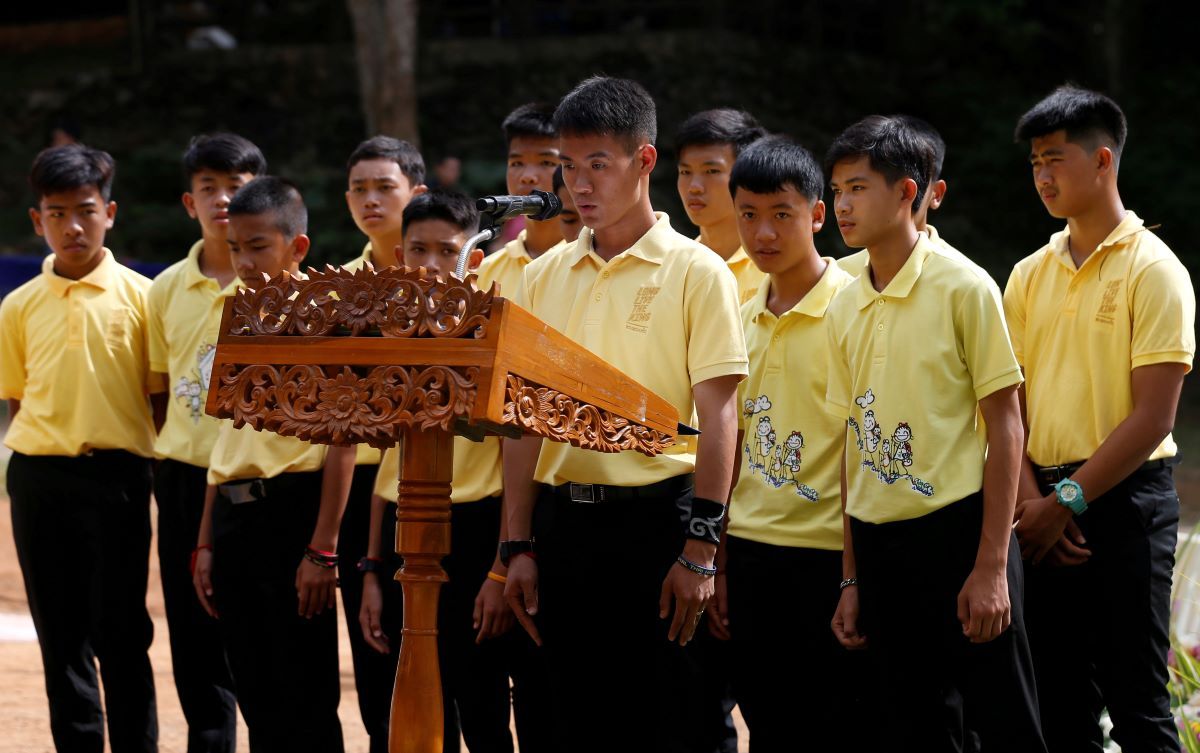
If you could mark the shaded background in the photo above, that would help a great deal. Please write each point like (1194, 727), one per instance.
(125, 73)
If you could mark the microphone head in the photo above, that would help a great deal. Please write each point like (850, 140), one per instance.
(551, 205)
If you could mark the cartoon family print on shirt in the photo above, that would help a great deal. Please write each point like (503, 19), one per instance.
(191, 392)
(778, 462)
(890, 457)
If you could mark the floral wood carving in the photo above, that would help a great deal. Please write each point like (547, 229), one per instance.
(396, 302)
(334, 405)
(557, 416)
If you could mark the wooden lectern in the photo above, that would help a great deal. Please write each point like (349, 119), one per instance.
(397, 357)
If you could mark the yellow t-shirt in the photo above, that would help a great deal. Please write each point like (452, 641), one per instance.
(184, 318)
(788, 491)
(664, 312)
(477, 472)
(1080, 332)
(74, 352)
(245, 454)
(908, 368)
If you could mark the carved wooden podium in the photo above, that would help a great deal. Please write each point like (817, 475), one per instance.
(395, 357)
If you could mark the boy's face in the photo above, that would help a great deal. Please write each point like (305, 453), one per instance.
(603, 176)
(257, 246)
(74, 223)
(866, 207)
(703, 183)
(777, 228)
(531, 164)
(434, 244)
(209, 199)
(568, 218)
(377, 196)
(1067, 177)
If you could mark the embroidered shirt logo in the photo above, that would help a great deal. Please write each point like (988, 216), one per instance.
(639, 315)
(777, 462)
(1108, 302)
(890, 457)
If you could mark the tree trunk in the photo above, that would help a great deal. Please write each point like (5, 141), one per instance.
(385, 34)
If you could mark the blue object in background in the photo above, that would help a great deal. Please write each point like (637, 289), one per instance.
(15, 271)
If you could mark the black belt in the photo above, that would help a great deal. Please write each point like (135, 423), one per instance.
(592, 493)
(1052, 474)
(257, 489)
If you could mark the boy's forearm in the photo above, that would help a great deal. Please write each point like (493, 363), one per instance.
(717, 409)
(375, 527)
(849, 566)
(519, 458)
(210, 498)
(1001, 471)
(335, 490)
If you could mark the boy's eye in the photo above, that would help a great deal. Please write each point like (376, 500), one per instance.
(568, 166)
(782, 215)
(598, 165)
(713, 171)
(747, 215)
(516, 163)
(684, 172)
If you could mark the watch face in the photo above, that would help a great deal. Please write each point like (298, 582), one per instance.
(1068, 492)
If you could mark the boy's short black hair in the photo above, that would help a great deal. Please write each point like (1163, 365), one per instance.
(279, 197)
(926, 130)
(451, 206)
(893, 147)
(737, 128)
(775, 162)
(603, 106)
(557, 183)
(1090, 119)
(401, 152)
(223, 153)
(65, 168)
(534, 120)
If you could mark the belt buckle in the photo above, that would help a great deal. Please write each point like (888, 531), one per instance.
(583, 493)
(239, 494)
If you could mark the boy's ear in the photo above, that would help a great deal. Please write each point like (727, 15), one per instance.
(818, 216)
(908, 191)
(474, 259)
(418, 190)
(937, 193)
(36, 218)
(300, 245)
(1105, 159)
(647, 157)
(189, 204)
(111, 215)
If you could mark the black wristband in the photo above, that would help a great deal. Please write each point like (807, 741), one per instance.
(707, 572)
(704, 524)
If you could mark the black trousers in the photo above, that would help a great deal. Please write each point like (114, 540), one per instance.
(781, 602)
(82, 532)
(938, 691)
(285, 667)
(714, 660)
(201, 671)
(1099, 631)
(615, 680)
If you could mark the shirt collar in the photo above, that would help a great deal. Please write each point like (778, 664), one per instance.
(932, 232)
(194, 276)
(902, 284)
(1128, 227)
(516, 250)
(100, 277)
(815, 302)
(652, 247)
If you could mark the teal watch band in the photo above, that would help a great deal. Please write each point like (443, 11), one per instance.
(1070, 495)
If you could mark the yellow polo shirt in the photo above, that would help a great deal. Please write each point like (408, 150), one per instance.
(477, 472)
(184, 318)
(856, 262)
(357, 262)
(506, 266)
(664, 312)
(748, 276)
(908, 368)
(788, 491)
(245, 454)
(1080, 332)
(74, 352)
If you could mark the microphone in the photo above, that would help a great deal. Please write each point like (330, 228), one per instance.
(539, 205)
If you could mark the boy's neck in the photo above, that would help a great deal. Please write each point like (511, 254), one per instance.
(889, 254)
(540, 237)
(722, 237)
(1088, 230)
(383, 250)
(215, 261)
(618, 237)
(789, 288)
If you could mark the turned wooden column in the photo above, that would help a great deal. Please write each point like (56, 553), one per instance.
(422, 539)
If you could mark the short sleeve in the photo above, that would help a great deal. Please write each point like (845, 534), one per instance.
(1163, 307)
(12, 352)
(1014, 313)
(838, 387)
(716, 342)
(984, 341)
(156, 339)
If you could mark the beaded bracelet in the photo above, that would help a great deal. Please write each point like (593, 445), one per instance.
(320, 558)
(847, 583)
(708, 572)
(496, 577)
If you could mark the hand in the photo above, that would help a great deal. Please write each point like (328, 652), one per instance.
(983, 606)
(1040, 526)
(718, 614)
(493, 617)
(521, 593)
(316, 588)
(1070, 549)
(202, 581)
(845, 620)
(690, 591)
(370, 614)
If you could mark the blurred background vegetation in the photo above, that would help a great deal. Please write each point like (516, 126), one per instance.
(139, 78)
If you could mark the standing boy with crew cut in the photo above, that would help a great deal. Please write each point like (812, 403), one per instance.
(785, 513)
(384, 174)
(479, 650)
(707, 144)
(267, 543)
(532, 160)
(74, 369)
(1103, 323)
(184, 314)
(918, 351)
(662, 309)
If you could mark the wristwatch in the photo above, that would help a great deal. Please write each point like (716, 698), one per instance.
(1070, 495)
(369, 565)
(510, 549)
